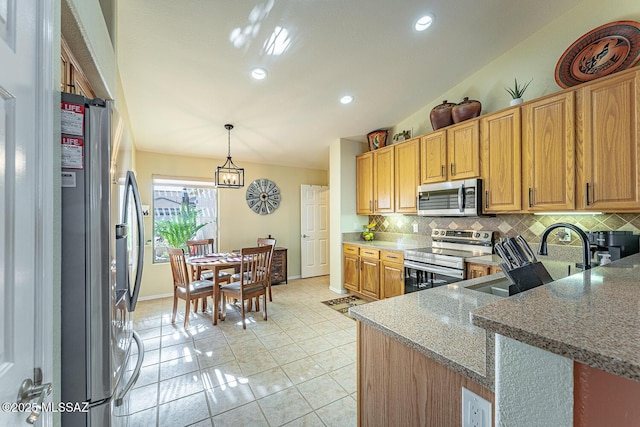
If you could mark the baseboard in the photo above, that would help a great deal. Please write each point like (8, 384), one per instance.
(151, 297)
(338, 291)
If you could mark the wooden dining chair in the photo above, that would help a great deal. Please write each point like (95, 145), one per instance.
(184, 287)
(201, 248)
(254, 282)
(263, 241)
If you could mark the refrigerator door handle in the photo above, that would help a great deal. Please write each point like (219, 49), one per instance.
(133, 185)
(119, 396)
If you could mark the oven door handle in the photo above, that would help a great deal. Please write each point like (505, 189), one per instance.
(461, 198)
(430, 268)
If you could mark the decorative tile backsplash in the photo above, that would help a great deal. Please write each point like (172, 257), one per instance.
(528, 225)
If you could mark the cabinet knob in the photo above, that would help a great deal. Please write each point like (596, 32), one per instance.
(530, 199)
(452, 173)
(587, 194)
(441, 170)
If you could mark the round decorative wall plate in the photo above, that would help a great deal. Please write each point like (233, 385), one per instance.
(604, 50)
(263, 196)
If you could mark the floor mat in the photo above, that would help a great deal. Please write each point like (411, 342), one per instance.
(342, 304)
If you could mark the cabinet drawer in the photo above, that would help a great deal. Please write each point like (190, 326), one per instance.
(369, 253)
(392, 256)
(350, 249)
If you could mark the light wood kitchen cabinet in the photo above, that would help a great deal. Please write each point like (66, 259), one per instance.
(351, 267)
(364, 183)
(383, 180)
(480, 270)
(370, 272)
(548, 154)
(407, 175)
(451, 154)
(375, 182)
(463, 150)
(433, 157)
(399, 386)
(72, 78)
(608, 141)
(361, 270)
(391, 274)
(501, 161)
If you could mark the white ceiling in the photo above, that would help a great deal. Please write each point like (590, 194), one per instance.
(184, 78)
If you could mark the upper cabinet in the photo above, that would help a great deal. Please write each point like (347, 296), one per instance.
(608, 138)
(407, 174)
(375, 182)
(73, 79)
(451, 154)
(548, 148)
(500, 155)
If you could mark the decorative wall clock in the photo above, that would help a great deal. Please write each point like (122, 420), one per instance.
(263, 196)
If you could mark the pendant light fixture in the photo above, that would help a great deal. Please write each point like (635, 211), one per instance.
(229, 175)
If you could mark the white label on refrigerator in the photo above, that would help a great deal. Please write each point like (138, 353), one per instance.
(71, 153)
(68, 179)
(72, 119)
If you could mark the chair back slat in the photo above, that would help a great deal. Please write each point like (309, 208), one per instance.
(200, 247)
(263, 241)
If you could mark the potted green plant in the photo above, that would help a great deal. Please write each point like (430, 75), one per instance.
(177, 229)
(517, 91)
(402, 136)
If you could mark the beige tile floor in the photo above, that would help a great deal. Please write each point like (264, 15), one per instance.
(297, 369)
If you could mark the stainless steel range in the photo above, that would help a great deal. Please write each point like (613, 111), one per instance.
(443, 262)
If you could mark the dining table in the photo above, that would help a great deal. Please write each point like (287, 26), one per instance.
(216, 262)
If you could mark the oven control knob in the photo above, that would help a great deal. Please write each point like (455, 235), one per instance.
(477, 235)
(485, 235)
(436, 232)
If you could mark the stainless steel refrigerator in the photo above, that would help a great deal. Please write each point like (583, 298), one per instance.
(102, 253)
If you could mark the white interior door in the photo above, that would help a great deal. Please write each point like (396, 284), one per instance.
(314, 230)
(26, 162)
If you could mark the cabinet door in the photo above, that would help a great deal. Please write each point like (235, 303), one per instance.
(608, 169)
(351, 274)
(370, 277)
(548, 154)
(407, 171)
(477, 270)
(463, 150)
(391, 279)
(383, 180)
(433, 157)
(501, 161)
(364, 184)
(495, 269)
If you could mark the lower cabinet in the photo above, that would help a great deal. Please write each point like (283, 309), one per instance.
(391, 274)
(372, 272)
(480, 270)
(398, 386)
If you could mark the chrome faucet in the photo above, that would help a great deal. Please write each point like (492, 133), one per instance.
(586, 247)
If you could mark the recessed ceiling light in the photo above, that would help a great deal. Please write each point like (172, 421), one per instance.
(424, 23)
(347, 99)
(259, 73)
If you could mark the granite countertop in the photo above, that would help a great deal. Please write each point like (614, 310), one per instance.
(436, 322)
(592, 317)
(382, 244)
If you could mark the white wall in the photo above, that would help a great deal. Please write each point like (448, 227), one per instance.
(342, 181)
(535, 58)
(533, 387)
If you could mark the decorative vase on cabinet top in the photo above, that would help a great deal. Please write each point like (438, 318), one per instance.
(441, 115)
(467, 109)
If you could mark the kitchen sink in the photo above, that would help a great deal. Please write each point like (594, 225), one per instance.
(499, 288)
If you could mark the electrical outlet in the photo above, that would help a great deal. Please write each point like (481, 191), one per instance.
(476, 411)
(564, 234)
(415, 228)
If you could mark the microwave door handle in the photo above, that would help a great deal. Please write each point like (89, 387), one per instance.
(461, 198)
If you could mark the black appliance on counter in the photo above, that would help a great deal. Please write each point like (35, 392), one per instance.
(444, 262)
(618, 244)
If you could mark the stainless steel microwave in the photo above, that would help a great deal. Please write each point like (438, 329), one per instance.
(452, 198)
